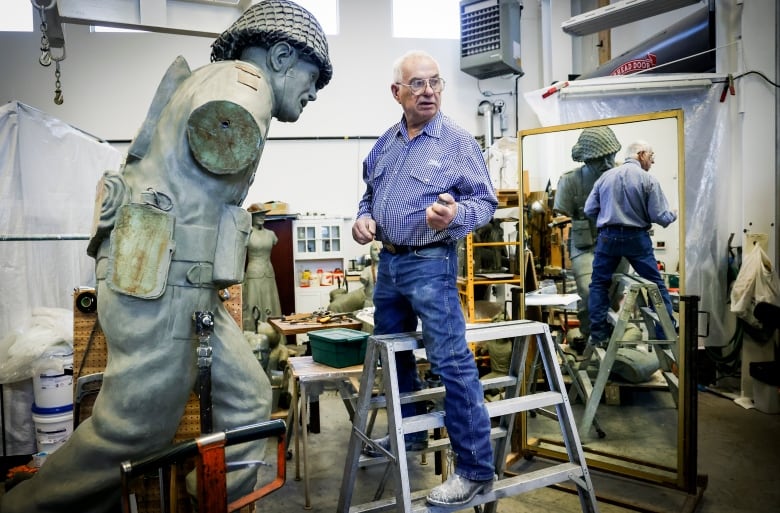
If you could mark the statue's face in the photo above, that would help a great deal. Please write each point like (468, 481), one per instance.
(298, 87)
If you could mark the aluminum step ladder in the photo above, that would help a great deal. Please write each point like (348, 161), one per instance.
(640, 295)
(580, 386)
(380, 357)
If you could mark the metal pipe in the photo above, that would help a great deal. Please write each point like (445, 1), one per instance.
(485, 109)
(37, 237)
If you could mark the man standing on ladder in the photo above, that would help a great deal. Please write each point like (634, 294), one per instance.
(427, 186)
(625, 202)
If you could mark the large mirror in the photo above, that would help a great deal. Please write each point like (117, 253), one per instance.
(637, 427)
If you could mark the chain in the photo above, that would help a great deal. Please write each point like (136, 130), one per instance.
(58, 99)
(46, 57)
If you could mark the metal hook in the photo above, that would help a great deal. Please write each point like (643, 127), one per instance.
(58, 98)
(60, 57)
(44, 7)
(45, 58)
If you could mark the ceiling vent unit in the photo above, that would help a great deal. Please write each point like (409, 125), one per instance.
(490, 37)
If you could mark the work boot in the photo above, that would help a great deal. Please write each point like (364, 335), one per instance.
(592, 342)
(416, 442)
(457, 490)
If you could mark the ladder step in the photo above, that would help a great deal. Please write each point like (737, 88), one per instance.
(506, 487)
(435, 419)
(433, 446)
(474, 333)
(507, 329)
(649, 312)
(430, 394)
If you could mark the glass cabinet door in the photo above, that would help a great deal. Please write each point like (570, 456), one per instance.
(330, 238)
(306, 237)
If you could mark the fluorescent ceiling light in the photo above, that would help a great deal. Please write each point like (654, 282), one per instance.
(620, 13)
(622, 86)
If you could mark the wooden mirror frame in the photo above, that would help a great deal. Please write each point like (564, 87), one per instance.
(682, 474)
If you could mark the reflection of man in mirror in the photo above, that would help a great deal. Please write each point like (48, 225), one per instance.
(169, 234)
(625, 202)
(595, 148)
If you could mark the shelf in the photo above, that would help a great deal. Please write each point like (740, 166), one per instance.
(471, 279)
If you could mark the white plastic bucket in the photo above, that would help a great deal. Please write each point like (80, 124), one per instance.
(53, 426)
(53, 378)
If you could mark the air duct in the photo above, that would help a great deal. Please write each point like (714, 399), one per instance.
(620, 13)
(684, 47)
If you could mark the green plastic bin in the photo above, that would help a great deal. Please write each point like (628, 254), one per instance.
(338, 347)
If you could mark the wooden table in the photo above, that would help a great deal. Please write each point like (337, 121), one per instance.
(305, 372)
(288, 327)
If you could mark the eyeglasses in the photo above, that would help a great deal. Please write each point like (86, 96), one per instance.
(419, 85)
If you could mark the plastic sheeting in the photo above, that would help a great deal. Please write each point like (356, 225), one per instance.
(48, 174)
(707, 180)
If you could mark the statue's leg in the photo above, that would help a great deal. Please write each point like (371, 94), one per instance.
(241, 395)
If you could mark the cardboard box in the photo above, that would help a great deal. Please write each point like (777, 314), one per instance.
(276, 208)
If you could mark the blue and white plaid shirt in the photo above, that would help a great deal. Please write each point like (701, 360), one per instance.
(628, 195)
(404, 177)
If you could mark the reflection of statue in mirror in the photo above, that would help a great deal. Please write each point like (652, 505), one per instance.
(259, 289)
(595, 148)
(625, 202)
(169, 234)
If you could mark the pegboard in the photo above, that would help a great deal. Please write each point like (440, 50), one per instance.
(90, 354)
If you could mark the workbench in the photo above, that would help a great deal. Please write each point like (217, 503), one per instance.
(287, 326)
(306, 378)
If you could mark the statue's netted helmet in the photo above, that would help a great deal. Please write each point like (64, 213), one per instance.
(269, 22)
(593, 143)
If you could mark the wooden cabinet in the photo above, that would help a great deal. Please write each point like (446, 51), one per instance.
(282, 260)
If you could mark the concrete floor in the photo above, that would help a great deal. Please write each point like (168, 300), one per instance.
(738, 454)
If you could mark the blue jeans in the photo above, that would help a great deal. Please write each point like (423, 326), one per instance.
(422, 284)
(614, 243)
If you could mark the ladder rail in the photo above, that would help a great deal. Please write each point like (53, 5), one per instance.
(396, 429)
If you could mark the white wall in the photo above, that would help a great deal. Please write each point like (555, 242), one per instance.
(108, 81)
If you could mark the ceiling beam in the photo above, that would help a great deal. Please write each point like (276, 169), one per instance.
(207, 18)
